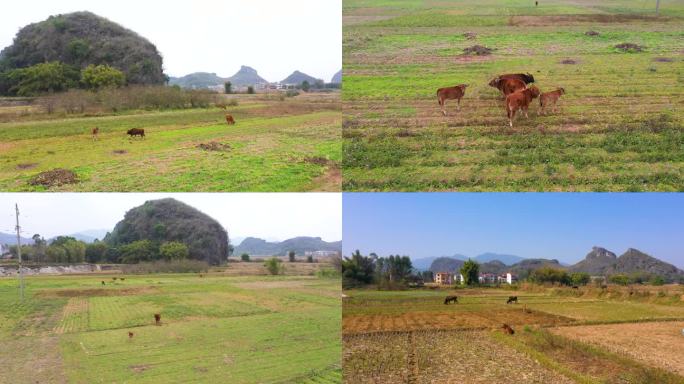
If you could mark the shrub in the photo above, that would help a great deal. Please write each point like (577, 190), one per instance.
(244, 257)
(273, 265)
(101, 76)
(42, 78)
(173, 250)
(250, 89)
(291, 93)
(619, 279)
(309, 259)
(328, 273)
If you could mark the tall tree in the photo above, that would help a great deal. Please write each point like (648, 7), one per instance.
(470, 271)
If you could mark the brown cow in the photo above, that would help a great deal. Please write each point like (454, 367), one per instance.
(507, 329)
(452, 299)
(136, 132)
(520, 100)
(157, 319)
(229, 119)
(451, 93)
(130, 335)
(507, 85)
(549, 98)
(95, 131)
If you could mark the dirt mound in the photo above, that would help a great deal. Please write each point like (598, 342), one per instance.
(54, 178)
(214, 146)
(568, 61)
(591, 33)
(26, 165)
(629, 47)
(470, 35)
(318, 160)
(119, 151)
(664, 59)
(478, 50)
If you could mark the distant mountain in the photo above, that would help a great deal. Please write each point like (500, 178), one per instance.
(11, 239)
(87, 236)
(337, 78)
(197, 80)
(446, 264)
(494, 266)
(596, 262)
(299, 77)
(260, 247)
(506, 259)
(246, 76)
(423, 264)
(634, 260)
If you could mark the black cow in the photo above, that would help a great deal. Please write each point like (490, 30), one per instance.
(451, 299)
(136, 132)
(512, 299)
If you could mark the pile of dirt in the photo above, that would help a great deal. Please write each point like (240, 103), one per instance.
(591, 33)
(568, 61)
(214, 146)
(317, 160)
(54, 178)
(629, 47)
(664, 59)
(470, 35)
(478, 50)
(119, 151)
(26, 165)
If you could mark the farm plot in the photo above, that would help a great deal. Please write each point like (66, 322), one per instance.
(214, 328)
(620, 126)
(438, 356)
(290, 145)
(658, 343)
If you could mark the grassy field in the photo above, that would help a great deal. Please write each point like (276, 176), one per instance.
(412, 337)
(276, 145)
(620, 126)
(215, 328)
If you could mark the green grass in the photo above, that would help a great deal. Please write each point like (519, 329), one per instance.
(215, 329)
(619, 127)
(267, 152)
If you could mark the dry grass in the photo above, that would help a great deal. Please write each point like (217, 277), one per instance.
(658, 343)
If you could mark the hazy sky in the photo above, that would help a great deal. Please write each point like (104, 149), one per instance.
(266, 215)
(275, 37)
(561, 226)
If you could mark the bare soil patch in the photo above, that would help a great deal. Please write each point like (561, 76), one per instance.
(89, 292)
(664, 59)
(658, 344)
(558, 20)
(54, 178)
(30, 360)
(591, 33)
(478, 50)
(318, 160)
(568, 61)
(140, 368)
(470, 35)
(629, 47)
(214, 146)
(119, 151)
(26, 165)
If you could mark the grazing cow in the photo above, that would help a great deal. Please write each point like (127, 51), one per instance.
(157, 319)
(113, 278)
(451, 93)
(536, 3)
(549, 98)
(512, 299)
(520, 100)
(452, 299)
(201, 275)
(575, 287)
(507, 329)
(136, 132)
(229, 119)
(95, 131)
(103, 283)
(122, 278)
(527, 78)
(130, 335)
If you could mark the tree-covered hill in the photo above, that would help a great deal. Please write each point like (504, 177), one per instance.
(82, 38)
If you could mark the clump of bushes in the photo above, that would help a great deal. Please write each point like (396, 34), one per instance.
(274, 266)
(478, 50)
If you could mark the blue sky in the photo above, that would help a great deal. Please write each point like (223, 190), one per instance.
(561, 226)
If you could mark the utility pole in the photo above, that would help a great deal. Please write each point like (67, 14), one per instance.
(657, 7)
(21, 273)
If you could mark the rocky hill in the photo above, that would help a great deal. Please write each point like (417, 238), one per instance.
(506, 259)
(259, 247)
(634, 260)
(246, 76)
(171, 220)
(446, 264)
(298, 77)
(337, 78)
(197, 80)
(83, 38)
(11, 239)
(596, 262)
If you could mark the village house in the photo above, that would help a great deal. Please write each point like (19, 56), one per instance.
(444, 278)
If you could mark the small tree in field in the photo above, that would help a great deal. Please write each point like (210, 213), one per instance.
(470, 271)
(227, 87)
(250, 89)
(580, 278)
(291, 256)
(309, 259)
(273, 266)
(244, 257)
(306, 86)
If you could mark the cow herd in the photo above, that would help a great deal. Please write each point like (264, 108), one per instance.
(511, 299)
(516, 92)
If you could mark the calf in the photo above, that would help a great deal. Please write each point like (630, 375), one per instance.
(451, 93)
(549, 98)
(512, 299)
(94, 132)
(452, 299)
(507, 329)
(136, 132)
(157, 319)
(520, 100)
(130, 335)
(103, 283)
(229, 119)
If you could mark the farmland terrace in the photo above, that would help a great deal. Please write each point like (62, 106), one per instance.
(289, 144)
(214, 328)
(561, 336)
(620, 125)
